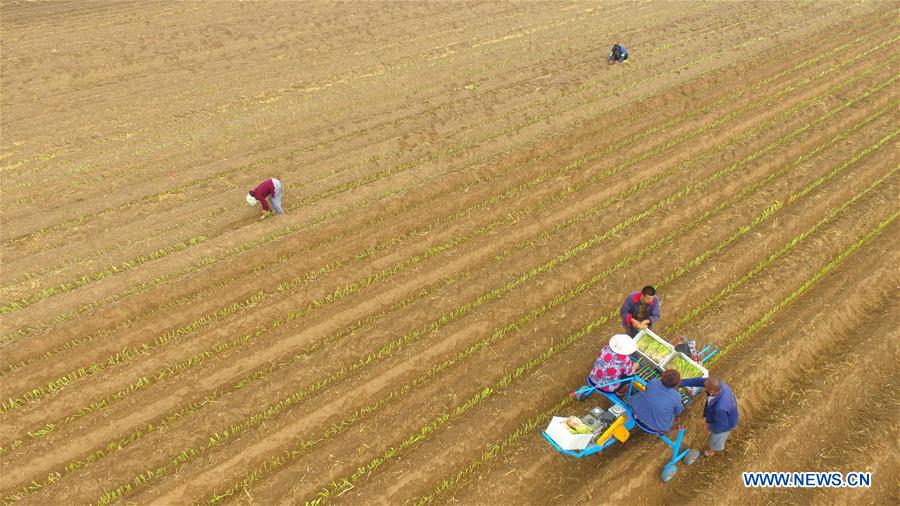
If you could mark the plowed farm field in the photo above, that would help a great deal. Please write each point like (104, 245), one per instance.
(471, 191)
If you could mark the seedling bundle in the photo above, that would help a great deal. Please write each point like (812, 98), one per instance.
(653, 347)
(663, 356)
(687, 368)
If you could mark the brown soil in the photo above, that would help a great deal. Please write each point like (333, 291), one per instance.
(470, 193)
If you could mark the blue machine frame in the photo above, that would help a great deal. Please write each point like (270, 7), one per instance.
(688, 455)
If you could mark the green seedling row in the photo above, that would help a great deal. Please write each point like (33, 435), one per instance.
(801, 158)
(530, 121)
(495, 449)
(106, 251)
(258, 473)
(46, 293)
(348, 290)
(800, 65)
(753, 327)
(787, 247)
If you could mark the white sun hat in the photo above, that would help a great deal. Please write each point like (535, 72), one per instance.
(622, 344)
(252, 201)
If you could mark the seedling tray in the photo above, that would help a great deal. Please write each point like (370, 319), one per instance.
(663, 352)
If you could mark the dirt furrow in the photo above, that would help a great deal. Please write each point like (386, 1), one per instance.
(338, 452)
(540, 466)
(470, 193)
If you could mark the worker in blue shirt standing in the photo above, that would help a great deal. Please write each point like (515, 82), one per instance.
(720, 411)
(618, 54)
(656, 407)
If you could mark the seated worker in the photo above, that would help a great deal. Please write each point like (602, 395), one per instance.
(618, 54)
(613, 363)
(657, 407)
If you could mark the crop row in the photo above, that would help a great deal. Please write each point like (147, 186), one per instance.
(694, 33)
(527, 428)
(674, 121)
(267, 414)
(127, 355)
(529, 121)
(104, 273)
(103, 252)
(540, 178)
(753, 327)
(774, 256)
(262, 163)
(213, 109)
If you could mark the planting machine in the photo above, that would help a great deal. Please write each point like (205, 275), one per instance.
(611, 419)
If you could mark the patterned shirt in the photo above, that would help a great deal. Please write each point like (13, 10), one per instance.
(610, 366)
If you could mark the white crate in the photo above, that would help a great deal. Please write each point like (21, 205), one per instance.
(705, 371)
(650, 333)
(560, 434)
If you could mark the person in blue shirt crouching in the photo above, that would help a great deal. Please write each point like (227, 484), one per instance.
(618, 54)
(656, 407)
(720, 411)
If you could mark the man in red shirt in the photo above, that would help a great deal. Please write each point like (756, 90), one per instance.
(269, 191)
(640, 310)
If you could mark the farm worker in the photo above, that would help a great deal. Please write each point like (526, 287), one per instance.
(613, 363)
(270, 190)
(656, 407)
(640, 310)
(720, 411)
(618, 54)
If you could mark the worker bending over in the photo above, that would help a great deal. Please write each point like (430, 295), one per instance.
(269, 191)
(618, 54)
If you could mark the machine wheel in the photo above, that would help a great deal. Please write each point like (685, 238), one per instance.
(691, 457)
(668, 472)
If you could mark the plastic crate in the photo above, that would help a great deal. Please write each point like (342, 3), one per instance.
(703, 370)
(560, 434)
(648, 332)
